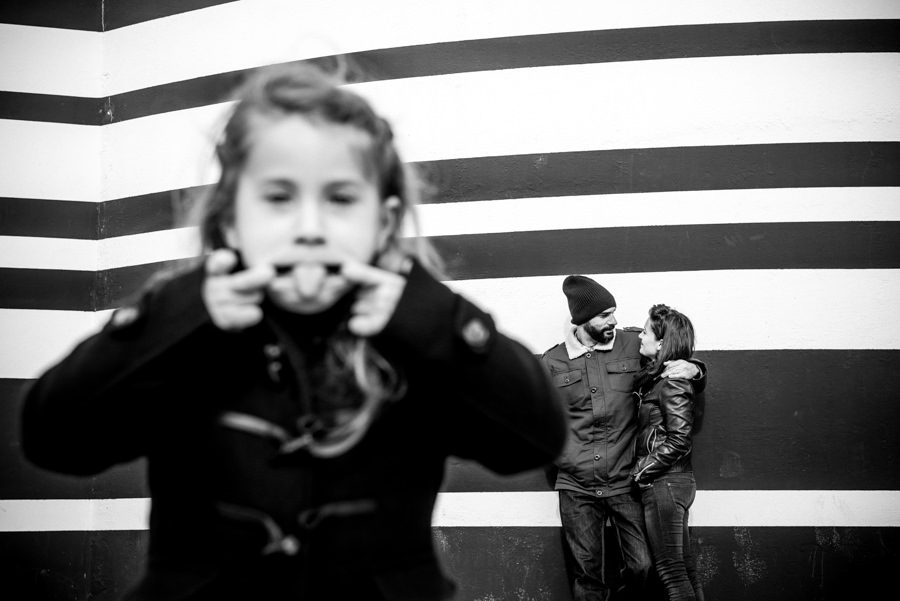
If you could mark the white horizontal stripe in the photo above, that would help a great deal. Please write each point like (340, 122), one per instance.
(31, 340)
(507, 215)
(751, 508)
(735, 508)
(44, 60)
(153, 247)
(91, 255)
(246, 34)
(50, 160)
(64, 162)
(74, 515)
(163, 152)
(645, 104)
(775, 205)
(249, 34)
(714, 101)
(731, 310)
(22, 252)
(840, 508)
(745, 100)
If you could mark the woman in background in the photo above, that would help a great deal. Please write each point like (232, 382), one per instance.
(667, 415)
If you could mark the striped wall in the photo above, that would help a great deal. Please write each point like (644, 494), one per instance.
(738, 160)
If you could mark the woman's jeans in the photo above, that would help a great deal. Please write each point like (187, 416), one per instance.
(583, 517)
(666, 504)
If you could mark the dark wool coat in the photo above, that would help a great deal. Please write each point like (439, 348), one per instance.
(236, 516)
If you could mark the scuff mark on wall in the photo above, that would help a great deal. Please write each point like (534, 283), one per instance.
(731, 466)
(440, 539)
(845, 541)
(749, 566)
(707, 561)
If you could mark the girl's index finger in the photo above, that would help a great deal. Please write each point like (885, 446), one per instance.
(361, 273)
(252, 279)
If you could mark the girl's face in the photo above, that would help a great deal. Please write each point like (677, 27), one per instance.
(306, 202)
(649, 342)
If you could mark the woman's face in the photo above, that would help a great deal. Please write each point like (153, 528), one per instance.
(649, 342)
(304, 203)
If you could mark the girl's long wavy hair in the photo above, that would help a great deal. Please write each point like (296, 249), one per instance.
(302, 89)
(676, 332)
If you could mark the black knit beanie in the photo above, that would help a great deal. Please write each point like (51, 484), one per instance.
(586, 298)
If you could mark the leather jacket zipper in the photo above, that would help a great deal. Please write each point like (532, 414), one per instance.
(638, 475)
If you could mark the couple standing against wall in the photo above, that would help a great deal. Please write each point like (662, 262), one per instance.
(631, 408)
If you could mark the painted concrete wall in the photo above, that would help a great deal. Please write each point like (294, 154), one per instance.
(738, 160)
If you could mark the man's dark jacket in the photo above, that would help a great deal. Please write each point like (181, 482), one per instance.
(602, 413)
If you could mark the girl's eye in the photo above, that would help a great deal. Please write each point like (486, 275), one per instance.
(342, 199)
(277, 196)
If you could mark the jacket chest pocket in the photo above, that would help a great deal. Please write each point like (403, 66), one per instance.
(621, 373)
(571, 386)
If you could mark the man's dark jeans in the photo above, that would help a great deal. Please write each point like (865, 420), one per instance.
(582, 518)
(666, 504)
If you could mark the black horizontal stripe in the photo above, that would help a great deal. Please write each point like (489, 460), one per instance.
(86, 15)
(774, 420)
(777, 420)
(71, 290)
(855, 245)
(94, 15)
(829, 245)
(71, 566)
(53, 289)
(774, 563)
(733, 563)
(598, 172)
(78, 220)
(49, 218)
(540, 50)
(637, 170)
(148, 212)
(777, 563)
(54, 108)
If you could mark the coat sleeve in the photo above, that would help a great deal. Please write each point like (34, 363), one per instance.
(676, 404)
(699, 383)
(92, 409)
(501, 408)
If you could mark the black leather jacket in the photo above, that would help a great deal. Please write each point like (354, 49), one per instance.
(665, 426)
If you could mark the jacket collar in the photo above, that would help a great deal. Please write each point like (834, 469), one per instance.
(575, 349)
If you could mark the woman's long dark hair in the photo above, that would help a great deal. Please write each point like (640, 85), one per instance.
(676, 333)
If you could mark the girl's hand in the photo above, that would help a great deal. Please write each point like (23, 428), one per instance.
(379, 293)
(232, 299)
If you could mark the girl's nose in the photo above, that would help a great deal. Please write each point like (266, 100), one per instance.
(308, 227)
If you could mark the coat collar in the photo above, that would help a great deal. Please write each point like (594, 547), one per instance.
(575, 349)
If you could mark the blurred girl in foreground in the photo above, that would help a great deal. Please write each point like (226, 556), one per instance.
(296, 396)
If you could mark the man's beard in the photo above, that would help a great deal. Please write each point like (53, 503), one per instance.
(600, 335)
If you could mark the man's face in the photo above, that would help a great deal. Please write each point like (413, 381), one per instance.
(601, 328)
